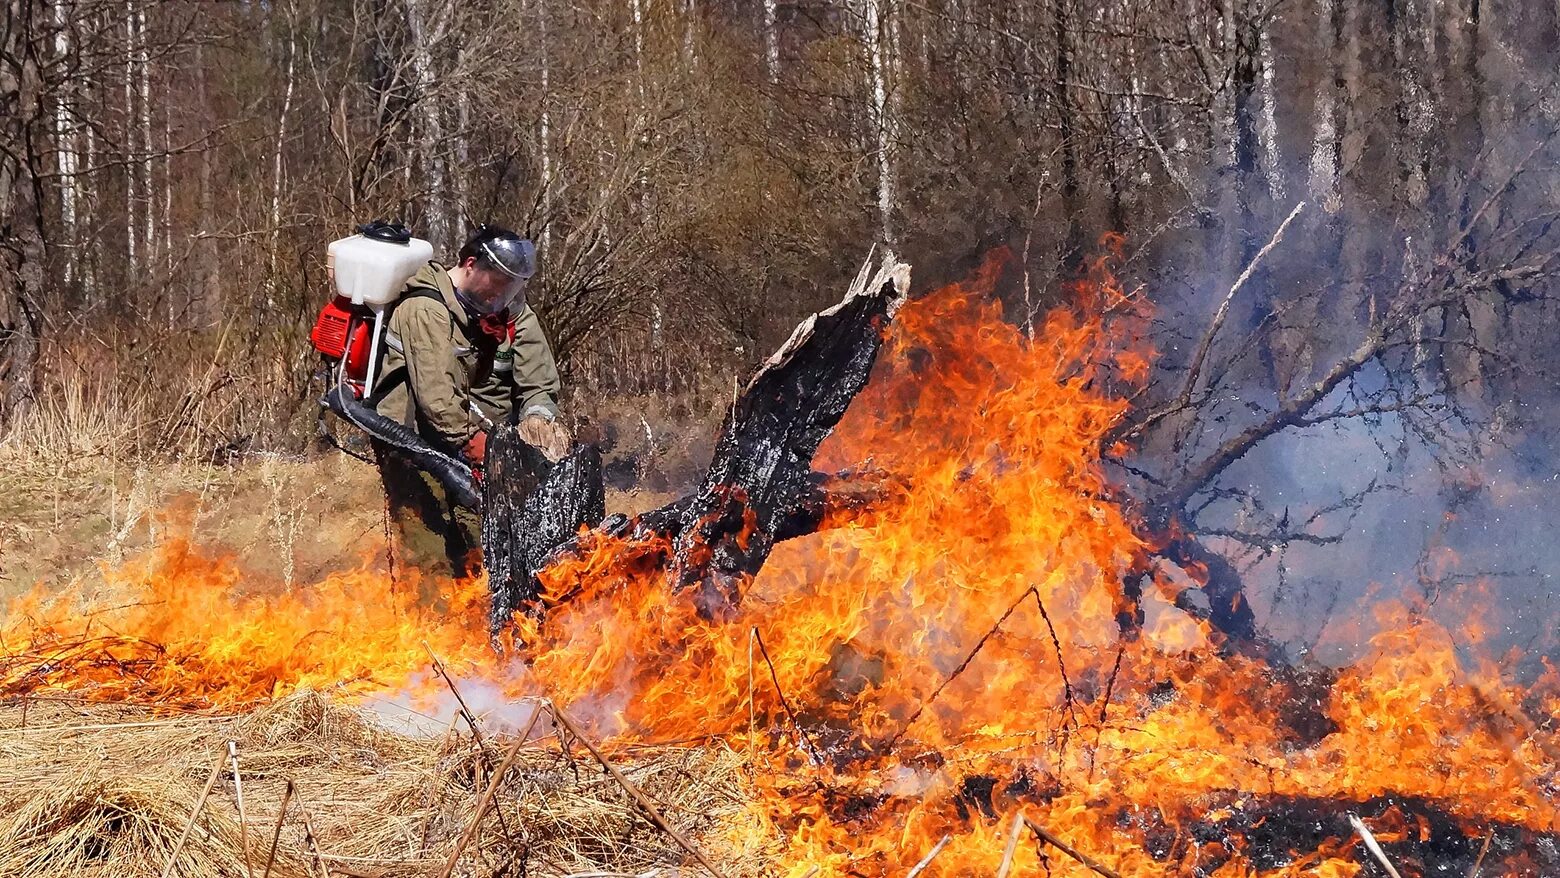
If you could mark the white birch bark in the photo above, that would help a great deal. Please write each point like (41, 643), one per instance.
(87, 258)
(276, 162)
(883, 121)
(544, 129)
(424, 34)
(132, 227)
(1268, 130)
(1324, 138)
(65, 148)
(690, 32)
(772, 40)
(144, 123)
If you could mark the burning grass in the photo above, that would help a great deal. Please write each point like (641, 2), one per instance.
(107, 790)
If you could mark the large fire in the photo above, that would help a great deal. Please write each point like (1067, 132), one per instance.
(927, 670)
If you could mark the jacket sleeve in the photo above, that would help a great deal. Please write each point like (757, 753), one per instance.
(433, 370)
(536, 374)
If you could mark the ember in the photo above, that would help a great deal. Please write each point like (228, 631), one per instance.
(935, 677)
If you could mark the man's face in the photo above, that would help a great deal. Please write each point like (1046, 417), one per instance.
(491, 291)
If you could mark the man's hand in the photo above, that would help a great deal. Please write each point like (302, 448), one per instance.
(476, 449)
(546, 434)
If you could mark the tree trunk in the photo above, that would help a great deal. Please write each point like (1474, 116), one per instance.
(65, 150)
(205, 308)
(878, 39)
(1061, 98)
(22, 247)
(426, 31)
(277, 167)
(772, 41)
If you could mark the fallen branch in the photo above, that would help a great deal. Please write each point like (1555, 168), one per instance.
(1088, 862)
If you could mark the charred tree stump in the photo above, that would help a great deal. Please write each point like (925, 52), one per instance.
(759, 489)
(531, 506)
(761, 475)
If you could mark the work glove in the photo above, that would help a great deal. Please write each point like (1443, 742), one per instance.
(546, 433)
(476, 449)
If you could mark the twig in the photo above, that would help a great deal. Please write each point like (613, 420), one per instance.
(979, 645)
(276, 831)
(639, 797)
(200, 803)
(309, 837)
(1479, 863)
(1012, 845)
(487, 795)
(1194, 369)
(930, 855)
(752, 721)
(1224, 307)
(1088, 862)
(1370, 843)
(773, 675)
(471, 722)
(465, 712)
(238, 794)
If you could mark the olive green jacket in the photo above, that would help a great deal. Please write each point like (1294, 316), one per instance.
(442, 375)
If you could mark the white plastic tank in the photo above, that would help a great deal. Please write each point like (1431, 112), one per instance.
(373, 272)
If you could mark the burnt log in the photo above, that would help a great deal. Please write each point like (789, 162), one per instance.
(759, 489)
(532, 505)
(761, 474)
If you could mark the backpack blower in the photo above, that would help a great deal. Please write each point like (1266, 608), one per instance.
(369, 270)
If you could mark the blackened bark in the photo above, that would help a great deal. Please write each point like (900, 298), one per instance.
(532, 505)
(762, 469)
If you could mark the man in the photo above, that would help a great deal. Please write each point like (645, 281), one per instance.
(464, 354)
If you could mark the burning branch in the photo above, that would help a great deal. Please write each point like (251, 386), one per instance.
(1087, 861)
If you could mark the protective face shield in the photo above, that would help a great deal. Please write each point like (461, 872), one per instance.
(509, 263)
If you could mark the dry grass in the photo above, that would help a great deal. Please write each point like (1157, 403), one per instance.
(106, 790)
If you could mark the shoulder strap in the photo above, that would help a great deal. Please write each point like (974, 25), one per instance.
(396, 377)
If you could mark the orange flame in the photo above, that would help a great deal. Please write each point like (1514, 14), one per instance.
(966, 635)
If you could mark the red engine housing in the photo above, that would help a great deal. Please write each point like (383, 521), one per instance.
(343, 334)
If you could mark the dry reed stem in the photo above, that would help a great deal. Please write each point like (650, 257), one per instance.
(930, 856)
(1087, 861)
(1372, 845)
(1473, 871)
(487, 795)
(238, 795)
(634, 792)
(1012, 845)
(200, 804)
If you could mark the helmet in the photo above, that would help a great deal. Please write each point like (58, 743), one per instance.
(509, 260)
(512, 255)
